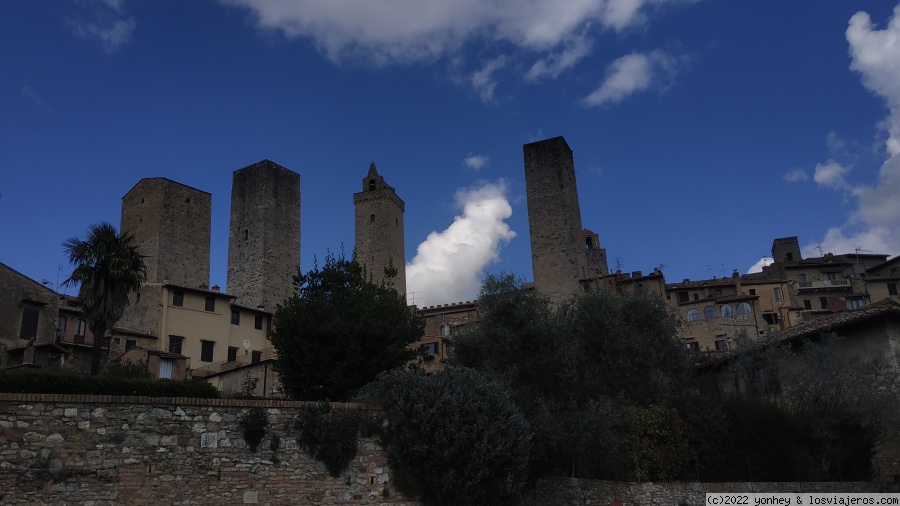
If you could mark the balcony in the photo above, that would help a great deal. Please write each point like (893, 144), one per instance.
(827, 284)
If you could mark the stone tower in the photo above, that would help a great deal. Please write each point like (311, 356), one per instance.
(379, 228)
(558, 241)
(171, 224)
(786, 249)
(596, 256)
(264, 236)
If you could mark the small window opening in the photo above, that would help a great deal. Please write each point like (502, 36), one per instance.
(372, 218)
(371, 184)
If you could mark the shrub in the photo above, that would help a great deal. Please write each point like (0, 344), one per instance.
(62, 381)
(330, 435)
(254, 423)
(454, 437)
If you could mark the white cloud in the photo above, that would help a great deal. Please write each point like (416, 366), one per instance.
(757, 267)
(30, 94)
(109, 26)
(483, 80)
(449, 265)
(830, 174)
(476, 161)
(875, 224)
(796, 175)
(405, 31)
(835, 143)
(876, 55)
(633, 73)
(554, 64)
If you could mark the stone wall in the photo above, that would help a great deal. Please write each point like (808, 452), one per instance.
(379, 228)
(105, 450)
(567, 491)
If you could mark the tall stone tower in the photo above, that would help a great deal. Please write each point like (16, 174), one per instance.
(558, 241)
(171, 224)
(786, 249)
(264, 236)
(379, 228)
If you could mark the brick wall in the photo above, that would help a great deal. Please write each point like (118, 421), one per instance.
(105, 450)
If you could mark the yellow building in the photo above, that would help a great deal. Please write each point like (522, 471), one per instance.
(198, 326)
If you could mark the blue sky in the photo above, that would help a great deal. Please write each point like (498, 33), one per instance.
(701, 129)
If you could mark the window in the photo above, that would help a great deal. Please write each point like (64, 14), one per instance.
(235, 317)
(721, 344)
(79, 327)
(372, 218)
(892, 288)
(790, 257)
(29, 322)
(255, 356)
(823, 302)
(857, 303)
(61, 323)
(770, 318)
(693, 315)
(744, 308)
(717, 292)
(371, 185)
(431, 349)
(683, 297)
(831, 275)
(807, 304)
(130, 344)
(210, 304)
(709, 312)
(693, 346)
(232, 353)
(778, 295)
(801, 277)
(175, 344)
(727, 310)
(753, 291)
(206, 351)
(445, 330)
(178, 299)
(696, 296)
(257, 322)
(165, 368)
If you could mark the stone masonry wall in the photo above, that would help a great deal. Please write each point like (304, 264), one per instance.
(105, 450)
(568, 491)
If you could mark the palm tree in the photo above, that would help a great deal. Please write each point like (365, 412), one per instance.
(109, 266)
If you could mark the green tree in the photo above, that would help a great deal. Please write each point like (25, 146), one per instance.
(575, 369)
(454, 438)
(108, 267)
(339, 330)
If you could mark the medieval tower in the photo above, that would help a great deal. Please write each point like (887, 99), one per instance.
(562, 252)
(379, 229)
(264, 235)
(171, 224)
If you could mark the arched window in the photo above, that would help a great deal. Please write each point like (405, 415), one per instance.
(371, 185)
(79, 327)
(727, 310)
(743, 308)
(709, 312)
(61, 323)
(693, 315)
